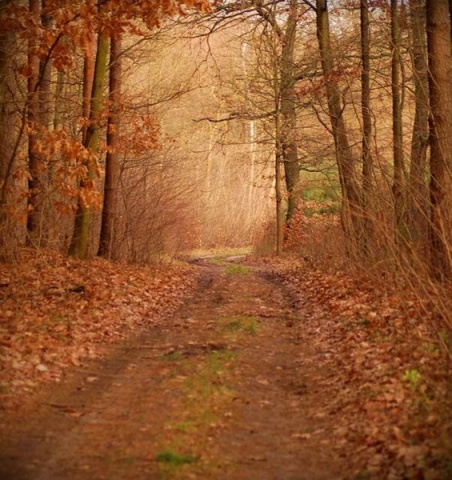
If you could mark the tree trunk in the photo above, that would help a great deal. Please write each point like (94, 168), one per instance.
(279, 209)
(397, 126)
(289, 115)
(278, 181)
(417, 202)
(82, 223)
(6, 111)
(88, 81)
(45, 74)
(59, 90)
(440, 86)
(35, 167)
(44, 109)
(350, 189)
(368, 167)
(7, 140)
(112, 168)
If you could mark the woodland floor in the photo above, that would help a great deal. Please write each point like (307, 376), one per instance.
(261, 373)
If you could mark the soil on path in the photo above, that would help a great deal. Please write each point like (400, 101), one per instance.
(228, 388)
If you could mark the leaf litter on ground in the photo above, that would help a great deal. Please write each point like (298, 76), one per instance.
(56, 311)
(392, 406)
(388, 403)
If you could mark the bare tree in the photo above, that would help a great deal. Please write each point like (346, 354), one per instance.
(367, 159)
(35, 164)
(440, 73)
(417, 199)
(351, 194)
(398, 186)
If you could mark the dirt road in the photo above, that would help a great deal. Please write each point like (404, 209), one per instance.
(228, 388)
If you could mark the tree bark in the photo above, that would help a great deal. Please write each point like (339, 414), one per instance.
(82, 224)
(289, 115)
(35, 167)
(368, 167)
(417, 201)
(279, 208)
(278, 181)
(440, 87)
(351, 214)
(112, 168)
(398, 184)
(45, 74)
(88, 81)
(7, 140)
(6, 110)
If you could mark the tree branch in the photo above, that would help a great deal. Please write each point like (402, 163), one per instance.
(235, 116)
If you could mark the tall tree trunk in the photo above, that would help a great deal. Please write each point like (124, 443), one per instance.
(6, 110)
(59, 90)
(289, 115)
(440, 86)
(368, 167)
(397, 126)
(112, 168)
(35, 166)
(279, 206)
(351, 214)
(45, 74)
(278, 179)
(88, 81)
(82, 224)
(5, 54)
(417, 202)
(7, 140)
(44, 109)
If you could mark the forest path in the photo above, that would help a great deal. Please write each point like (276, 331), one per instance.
(228, 388)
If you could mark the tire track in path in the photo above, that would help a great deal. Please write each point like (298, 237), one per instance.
(224, 389)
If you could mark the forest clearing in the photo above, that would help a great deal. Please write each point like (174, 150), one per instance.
(226, 239)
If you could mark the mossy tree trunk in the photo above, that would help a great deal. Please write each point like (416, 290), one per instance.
(82, 224)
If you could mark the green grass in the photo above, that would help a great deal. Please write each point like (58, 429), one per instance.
(184, 427)
(172, 357)
(242, 323)
(170, 457)
(204, 396)
(413, 377)
(234, 326)
(363, 475)
(235, 269)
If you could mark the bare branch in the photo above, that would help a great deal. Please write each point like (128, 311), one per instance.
(236, 116)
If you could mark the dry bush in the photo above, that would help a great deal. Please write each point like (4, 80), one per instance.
(317, 235)
(265, 239)
(393, 261)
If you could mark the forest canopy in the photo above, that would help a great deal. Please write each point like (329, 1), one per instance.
(133, 128)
